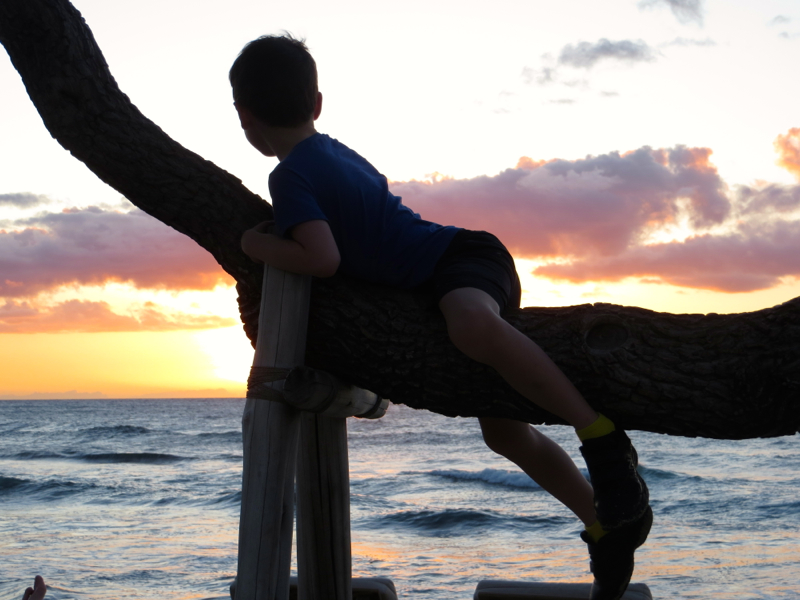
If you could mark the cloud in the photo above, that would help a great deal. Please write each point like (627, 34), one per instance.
(89, 317)
(681, 41)
(788, 148)
(599, 204)
(596, 219)
(755, 257)
(585, 55)
(685, 11)
(772, 199)
(23, 200)
(94, 246)
(779, 20)
(541, 76)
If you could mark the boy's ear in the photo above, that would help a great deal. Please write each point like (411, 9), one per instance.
(318, 106)
(245, 116)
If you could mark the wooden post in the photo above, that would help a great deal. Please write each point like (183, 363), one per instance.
(323, 510)
(272, 424)
(270, 433)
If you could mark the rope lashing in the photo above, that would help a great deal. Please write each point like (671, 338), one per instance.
(314, 391)
(257, 387)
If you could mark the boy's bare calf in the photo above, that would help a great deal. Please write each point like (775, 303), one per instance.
(542, 460)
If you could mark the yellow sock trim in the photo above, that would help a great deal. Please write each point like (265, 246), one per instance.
(602, 426)
(596, 531)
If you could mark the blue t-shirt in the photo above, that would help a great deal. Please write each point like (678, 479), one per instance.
(379, 239)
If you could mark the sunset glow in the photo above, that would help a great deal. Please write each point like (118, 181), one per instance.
(626, 152)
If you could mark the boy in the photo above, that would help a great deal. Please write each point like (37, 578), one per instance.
(334, 213)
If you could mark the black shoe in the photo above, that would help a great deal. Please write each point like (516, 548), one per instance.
(611, 559)
(620, 494)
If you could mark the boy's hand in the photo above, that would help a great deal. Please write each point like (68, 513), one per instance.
(311, 250)
(249, 241)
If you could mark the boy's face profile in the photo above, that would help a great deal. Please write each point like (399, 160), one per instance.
(252, 130)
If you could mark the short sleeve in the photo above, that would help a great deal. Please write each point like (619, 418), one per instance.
(293, 200)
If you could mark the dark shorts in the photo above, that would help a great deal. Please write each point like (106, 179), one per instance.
(477, 259)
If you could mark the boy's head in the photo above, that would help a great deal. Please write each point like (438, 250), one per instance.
(275, 78)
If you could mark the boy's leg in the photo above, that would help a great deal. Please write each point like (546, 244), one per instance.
(542, 460)
(548, 465)
(477, 329)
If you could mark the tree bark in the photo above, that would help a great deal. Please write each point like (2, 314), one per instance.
(721, 376)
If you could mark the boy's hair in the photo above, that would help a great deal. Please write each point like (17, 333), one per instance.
(275, 78)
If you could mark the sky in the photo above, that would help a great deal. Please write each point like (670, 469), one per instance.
(639, 152)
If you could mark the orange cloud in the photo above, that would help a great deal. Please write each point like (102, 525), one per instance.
(94, 246)
(788, 148)
(89, 317)
(527, 163)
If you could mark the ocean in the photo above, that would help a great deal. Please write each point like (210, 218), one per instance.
(139, 499)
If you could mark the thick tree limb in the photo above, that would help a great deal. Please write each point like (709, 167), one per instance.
(724, 376)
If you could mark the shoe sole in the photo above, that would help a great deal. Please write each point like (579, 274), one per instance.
(645, 524)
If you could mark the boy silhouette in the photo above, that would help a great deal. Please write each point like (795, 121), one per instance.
(334, 214)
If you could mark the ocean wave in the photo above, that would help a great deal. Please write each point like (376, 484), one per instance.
(233, 498)
(49, 488)
(230, 457)
(36, 455)
(515, 479)
(453, 521)
(113, 430)
(151, 458)
(10, 483)
(653, 474)
(13, 428)
(448, 521)
(234, 435)
(102, 457)
(187, 498)
(780, 510)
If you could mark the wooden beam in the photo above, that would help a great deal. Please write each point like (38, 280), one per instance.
(270, 433)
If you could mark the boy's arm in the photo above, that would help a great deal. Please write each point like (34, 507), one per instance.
(311, 250)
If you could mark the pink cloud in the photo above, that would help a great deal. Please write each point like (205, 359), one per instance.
(93, 246)
(599, 211)
(596, 212)
(597, 205)
(85, 316)
(768, 199)
(753, 258)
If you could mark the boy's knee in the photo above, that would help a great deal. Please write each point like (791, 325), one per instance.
(498, 444)
(474, 330)
(506, 437)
